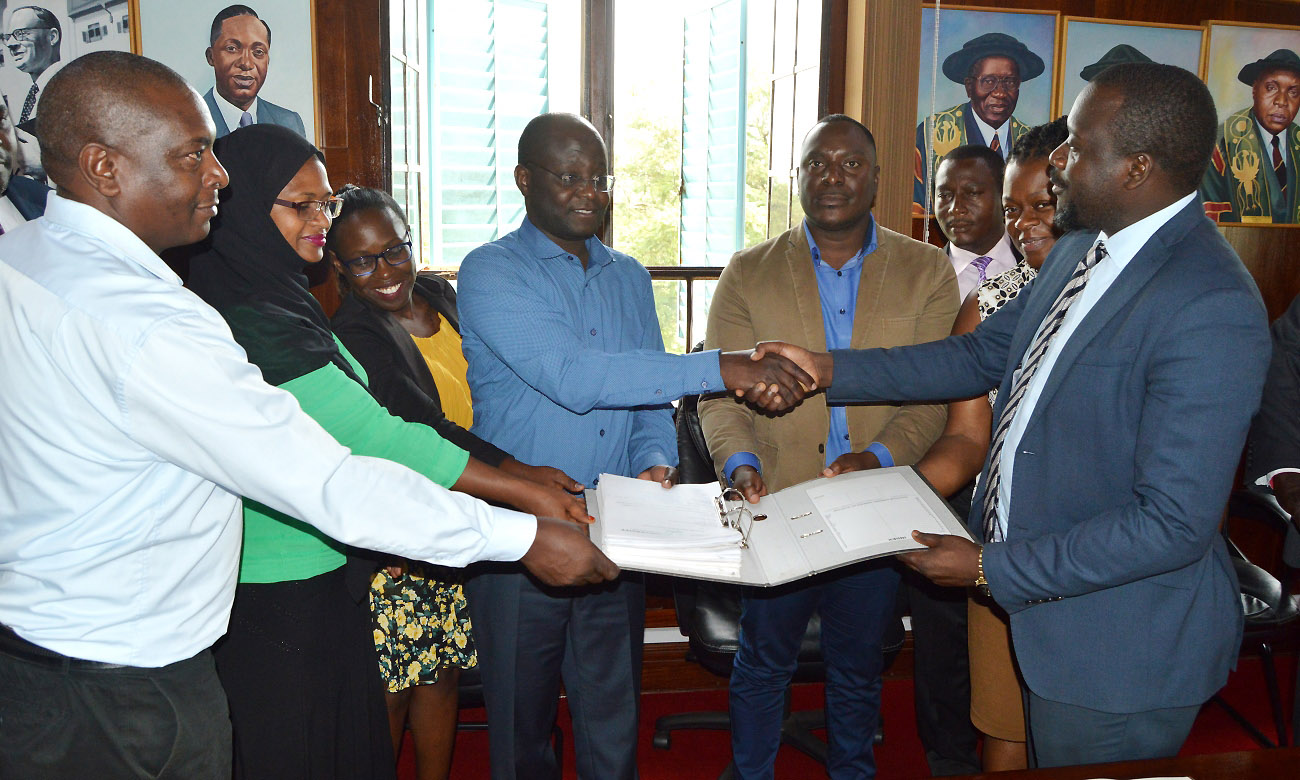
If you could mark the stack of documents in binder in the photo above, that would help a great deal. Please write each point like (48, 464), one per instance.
(649, 528)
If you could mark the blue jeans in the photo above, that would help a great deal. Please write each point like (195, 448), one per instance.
(856, 606)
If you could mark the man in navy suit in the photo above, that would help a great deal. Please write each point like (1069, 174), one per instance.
(1115, 437)
(240, 53)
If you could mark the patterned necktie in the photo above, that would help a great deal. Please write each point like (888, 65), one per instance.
(246, 119)
(1020, 383)
(995, 144)
(981, 264)
(28, 104)
(1279, 167)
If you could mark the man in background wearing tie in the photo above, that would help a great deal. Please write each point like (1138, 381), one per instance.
(968, 205)
(1252, 175)
(34, 40)
(240, 54)
(991, 67)
(1128, 374)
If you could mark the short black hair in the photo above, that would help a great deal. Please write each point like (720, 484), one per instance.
(539, 128)
(1039, 141)
(100, 97)
(1167, 113)
(358, 199)
(46, 16)
(991, 159)
(829, 118)
(230, 12)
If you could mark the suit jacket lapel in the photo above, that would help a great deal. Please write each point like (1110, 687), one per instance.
(803, 283)
(1150, 259)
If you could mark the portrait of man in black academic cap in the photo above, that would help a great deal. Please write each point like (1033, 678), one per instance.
(991, 68)
(1252, 173)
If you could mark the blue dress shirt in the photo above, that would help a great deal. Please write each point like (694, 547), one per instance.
(566, 364)
(838, 291)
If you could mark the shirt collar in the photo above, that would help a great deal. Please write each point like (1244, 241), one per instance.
(231, 112)
(539, 245)
(86, 220)
(1124, 245)
(868, 246)
(1267, 137)
(1000, 251)
(988, 131)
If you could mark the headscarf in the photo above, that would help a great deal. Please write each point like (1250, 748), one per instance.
(249, 272)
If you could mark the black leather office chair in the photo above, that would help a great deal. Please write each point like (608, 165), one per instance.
(708, 613)
(1269, 606)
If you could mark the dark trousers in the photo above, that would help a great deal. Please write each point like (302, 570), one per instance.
(63, 718)
(941, 674)
(528, 638)
(1066, 734)
(855, 607)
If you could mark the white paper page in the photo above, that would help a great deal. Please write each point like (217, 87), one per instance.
(638, 511)
(891, 511)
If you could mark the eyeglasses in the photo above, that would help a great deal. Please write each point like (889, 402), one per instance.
(990, 83)
(572, 181)
(307, 209)
(23, 34)
(395, 255)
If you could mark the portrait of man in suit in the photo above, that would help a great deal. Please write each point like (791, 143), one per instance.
(1252, 173)
(991, 68)
(240, 55)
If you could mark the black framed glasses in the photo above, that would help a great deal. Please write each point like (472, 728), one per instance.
(307, 209)
(23, 34)
(395, 255)
(572, 181)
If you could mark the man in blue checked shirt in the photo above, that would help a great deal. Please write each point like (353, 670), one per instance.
(567, 368)
(837, 278)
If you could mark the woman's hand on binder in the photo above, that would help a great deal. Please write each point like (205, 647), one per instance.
(950, 560)
(749, 482)
(666, 476)
(563, 555)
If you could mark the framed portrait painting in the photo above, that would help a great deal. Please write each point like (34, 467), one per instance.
(41, 36)
(1253, 72)
(985, 77)
(250, 68)
(1089, 46)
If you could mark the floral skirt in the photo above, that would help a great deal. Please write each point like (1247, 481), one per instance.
(421, 625)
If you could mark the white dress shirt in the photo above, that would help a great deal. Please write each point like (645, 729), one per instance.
(1120, 249)
(968, 275)
(231, 112)
(988, 131)
(132, 423)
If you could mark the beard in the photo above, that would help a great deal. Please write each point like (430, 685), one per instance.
(1067, 217)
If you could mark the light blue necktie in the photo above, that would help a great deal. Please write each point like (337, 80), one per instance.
(246, 119)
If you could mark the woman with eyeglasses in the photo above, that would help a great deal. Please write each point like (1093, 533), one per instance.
(298, 661)
(403, 328)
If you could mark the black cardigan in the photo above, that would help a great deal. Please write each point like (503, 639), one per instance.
(398, 376)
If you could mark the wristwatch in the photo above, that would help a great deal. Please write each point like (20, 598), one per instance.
(981, 582)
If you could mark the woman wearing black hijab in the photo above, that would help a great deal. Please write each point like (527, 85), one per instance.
(298, 661)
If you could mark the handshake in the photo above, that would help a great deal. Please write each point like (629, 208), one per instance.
(775, 376)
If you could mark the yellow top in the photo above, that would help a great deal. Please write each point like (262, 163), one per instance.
(442, 354)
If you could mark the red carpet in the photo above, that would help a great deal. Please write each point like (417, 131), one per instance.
(704, 754)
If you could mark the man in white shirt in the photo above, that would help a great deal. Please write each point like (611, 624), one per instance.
(240, 54)
(968, 206)
(132, 423)
(1128, 375)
